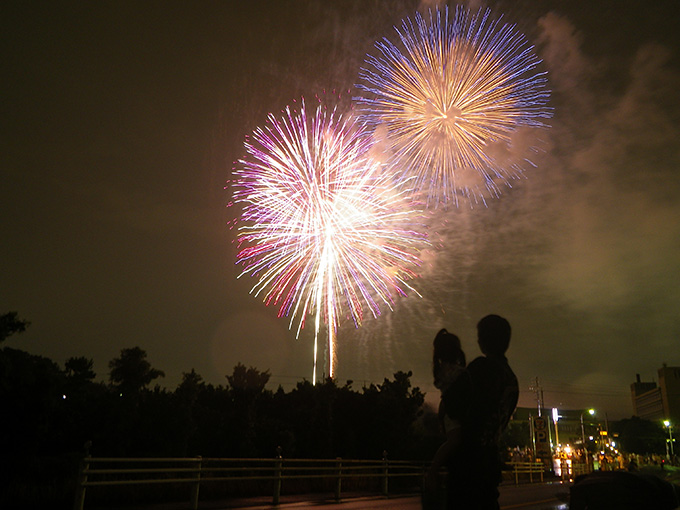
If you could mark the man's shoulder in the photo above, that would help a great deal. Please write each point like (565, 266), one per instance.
(480, 365)
(494, 368)
(477, 363)
(488, 361)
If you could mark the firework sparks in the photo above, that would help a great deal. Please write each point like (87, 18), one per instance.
(452, 101)
(323, 230)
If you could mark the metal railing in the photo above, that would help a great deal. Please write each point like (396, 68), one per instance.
(197, 471)
(570, 471)
(527, 468)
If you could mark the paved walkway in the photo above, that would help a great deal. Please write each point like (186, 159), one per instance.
(546, 496)
(523, 497)
(537, 496)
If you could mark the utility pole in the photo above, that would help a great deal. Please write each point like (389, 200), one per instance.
(539, 395)
(540, 404)
(547, 431)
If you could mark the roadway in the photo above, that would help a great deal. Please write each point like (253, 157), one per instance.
(545, 496)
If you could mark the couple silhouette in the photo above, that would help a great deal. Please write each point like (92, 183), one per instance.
(477, 402)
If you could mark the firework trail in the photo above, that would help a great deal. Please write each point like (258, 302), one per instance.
(323, 229)
(452, 103)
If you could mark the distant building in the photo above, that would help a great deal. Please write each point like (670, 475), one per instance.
(647, 401)
(662, 402)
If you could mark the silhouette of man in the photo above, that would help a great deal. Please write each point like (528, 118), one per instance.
(494, 397)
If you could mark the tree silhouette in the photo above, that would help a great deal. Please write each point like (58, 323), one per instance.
(191, 386)
(30, 394)
(131, 372)
(391, 411)
(248, 380)
(10, 323)
(187, 409)
(640, 436)
(246, 391)
(79, 370)
(516, 435)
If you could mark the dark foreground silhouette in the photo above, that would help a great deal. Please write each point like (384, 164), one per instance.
(623, 490)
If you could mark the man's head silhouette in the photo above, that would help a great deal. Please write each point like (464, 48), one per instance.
(493, 335)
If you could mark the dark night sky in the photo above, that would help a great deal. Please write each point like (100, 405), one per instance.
(121, 122)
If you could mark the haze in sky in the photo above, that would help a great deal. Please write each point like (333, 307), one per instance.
(121, 123)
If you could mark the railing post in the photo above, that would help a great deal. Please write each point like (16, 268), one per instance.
(196, 486)
(278, 461)
(385, 476)
(338, 480)
(79, 499)
(516, 469)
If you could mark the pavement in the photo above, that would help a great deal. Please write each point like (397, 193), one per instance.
(539, 496)
(551, 495)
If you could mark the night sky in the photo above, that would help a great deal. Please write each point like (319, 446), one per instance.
(121, 123)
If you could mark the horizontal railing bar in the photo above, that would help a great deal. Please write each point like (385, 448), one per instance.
(307, 477)
(206, 460)
(332, 470)
(317, 461)
(152, 459)
(240, 478)
(335, 468)
(283, 476)
(139, 471)
(328, 474)
(220, 479)
(139, 482)
(254, 459)
(209, 469)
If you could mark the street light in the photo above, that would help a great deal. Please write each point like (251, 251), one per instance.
(556, 416)
(668, 425)
(583, 435)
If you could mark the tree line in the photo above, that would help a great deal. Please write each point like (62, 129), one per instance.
(54, 410)
(50, 412)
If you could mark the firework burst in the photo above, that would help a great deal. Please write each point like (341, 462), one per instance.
(452, 103)
(323, 230)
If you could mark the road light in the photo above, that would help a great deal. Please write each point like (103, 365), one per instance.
(556, 416)
(669, 426)
(591, 412)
